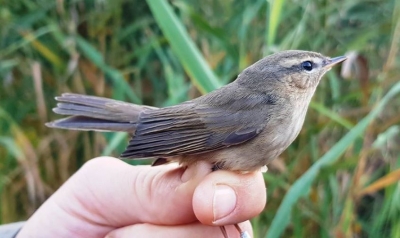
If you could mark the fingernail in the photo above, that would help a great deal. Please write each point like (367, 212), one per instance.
(224, 201)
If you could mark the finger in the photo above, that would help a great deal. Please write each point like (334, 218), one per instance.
(192, 230)
(225, 197)
(107, 193)
(121, 194)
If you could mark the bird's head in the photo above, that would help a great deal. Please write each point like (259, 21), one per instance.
(294, 70)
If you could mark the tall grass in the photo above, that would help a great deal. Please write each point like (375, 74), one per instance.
(338, 179)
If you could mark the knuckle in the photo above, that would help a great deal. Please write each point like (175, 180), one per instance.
(97, 163)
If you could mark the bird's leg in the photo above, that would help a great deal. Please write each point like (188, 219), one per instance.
(243, 234)
(217, 166)
(223, 230)
(159, 161)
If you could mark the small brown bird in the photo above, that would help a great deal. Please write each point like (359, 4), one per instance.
(241, 127)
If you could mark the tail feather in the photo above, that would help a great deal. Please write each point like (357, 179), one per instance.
(96, 113)
(78, 110)
(82, 123)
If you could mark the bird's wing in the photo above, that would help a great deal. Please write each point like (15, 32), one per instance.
(193, 128)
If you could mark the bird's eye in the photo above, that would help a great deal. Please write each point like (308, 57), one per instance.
(307, 65)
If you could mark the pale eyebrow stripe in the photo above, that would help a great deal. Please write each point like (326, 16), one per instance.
(287, 63)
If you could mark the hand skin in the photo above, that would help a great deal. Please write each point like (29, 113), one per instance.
(109, 198)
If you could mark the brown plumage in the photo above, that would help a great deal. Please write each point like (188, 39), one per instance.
(241, 126)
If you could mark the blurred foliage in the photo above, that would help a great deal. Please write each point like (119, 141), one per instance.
(338, 179)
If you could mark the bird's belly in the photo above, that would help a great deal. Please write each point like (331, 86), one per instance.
(249, 156)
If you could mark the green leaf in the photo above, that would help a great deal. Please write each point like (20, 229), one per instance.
(276, 7)
(185, 49)
(12, 147)
(25, 41)
(331, 114)
(114, 142)
(117, 78)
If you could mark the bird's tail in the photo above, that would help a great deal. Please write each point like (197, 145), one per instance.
(89, 113)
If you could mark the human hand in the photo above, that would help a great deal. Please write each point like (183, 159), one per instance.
(109, 198)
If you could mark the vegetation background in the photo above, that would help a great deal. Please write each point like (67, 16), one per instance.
(338, 179)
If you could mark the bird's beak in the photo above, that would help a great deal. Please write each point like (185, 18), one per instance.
(331, 62)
